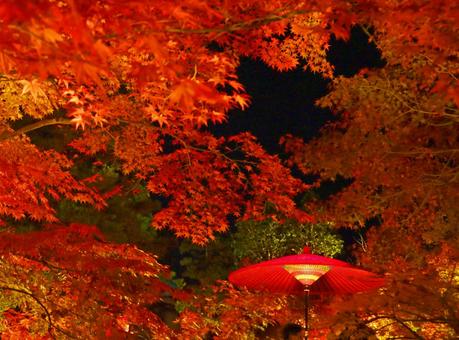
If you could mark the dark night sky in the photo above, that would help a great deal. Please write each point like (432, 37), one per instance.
(283, 102)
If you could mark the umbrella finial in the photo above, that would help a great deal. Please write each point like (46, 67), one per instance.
(306, 250)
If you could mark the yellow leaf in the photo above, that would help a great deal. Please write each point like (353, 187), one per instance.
(33, 87)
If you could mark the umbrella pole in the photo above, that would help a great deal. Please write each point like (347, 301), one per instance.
(306, 311)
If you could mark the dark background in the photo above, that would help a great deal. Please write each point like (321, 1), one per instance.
(283, 102)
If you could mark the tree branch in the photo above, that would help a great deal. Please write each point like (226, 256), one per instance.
(395, 320)
(254, 23)
(35, 126)
(408, 328)
(48, 314)
(51, 324)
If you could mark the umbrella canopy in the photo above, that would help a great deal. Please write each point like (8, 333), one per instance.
(292, 274)
(305, 274)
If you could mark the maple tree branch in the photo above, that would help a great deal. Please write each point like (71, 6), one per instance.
(216, 153)
(422, 318)
(35, 126)
(443, 68)
(395, 320)
(408, 328)
(191, 147)
(254, 23)
(52, 266)
(402, 101)
(370, 36)
(51, 324)
(48, 314)
(428, 193)
(412, 106)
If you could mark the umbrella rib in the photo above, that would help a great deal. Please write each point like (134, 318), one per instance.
(341, 283)
(282, 282)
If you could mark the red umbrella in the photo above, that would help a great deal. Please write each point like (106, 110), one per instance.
(306, 274)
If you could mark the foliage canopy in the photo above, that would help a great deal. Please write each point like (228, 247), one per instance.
(127, 90)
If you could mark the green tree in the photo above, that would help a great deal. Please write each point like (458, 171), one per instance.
(264, 240)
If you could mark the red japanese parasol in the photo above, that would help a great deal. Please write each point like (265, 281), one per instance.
(306, 274)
